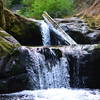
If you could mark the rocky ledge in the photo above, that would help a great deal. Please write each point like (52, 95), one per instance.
(27, 67)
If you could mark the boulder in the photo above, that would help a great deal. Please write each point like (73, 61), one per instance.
(24, 30)
(79, 30)
(27, 32)
(7, 42)
(7, 45)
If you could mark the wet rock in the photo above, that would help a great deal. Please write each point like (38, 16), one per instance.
(51, 67)
(79, 30)
(7, 45)
(31, 69)
(84, 67)
(94, 36)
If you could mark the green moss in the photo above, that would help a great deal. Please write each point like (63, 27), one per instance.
(16, 29)
(97, 46)
(92, 21)
(5, 47)
(7, 43)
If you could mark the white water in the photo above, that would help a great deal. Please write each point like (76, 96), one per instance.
(46, 70)
(45, 33)
(55, 94)
(54, 75)
(59, 32)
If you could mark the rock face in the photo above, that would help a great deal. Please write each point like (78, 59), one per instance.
(7, 45)
(79, 30)
(24, 30)
(84, 68)
(43, 67)
(7, 42)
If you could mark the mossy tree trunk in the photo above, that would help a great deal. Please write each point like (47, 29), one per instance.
(2, 18)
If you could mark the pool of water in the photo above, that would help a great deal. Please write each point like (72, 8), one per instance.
(54, 94)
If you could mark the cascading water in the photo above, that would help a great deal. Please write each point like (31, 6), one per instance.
(54, 74)
(46, 70)
(55, 68)
(49, 68)
(45, 33)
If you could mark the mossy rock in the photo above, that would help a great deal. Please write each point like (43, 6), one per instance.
(27, 32)
(92, 21)
(7, 42)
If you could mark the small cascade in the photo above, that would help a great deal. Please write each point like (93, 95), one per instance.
(46, 69)
(34, 68)
(54, 74)
(52, 35)
(45, 33)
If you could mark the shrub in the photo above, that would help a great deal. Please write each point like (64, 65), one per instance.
(56, 8)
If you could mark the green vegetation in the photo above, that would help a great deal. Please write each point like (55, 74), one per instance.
(7, 3)
(56, 8)
(11, 3)
(35, 8)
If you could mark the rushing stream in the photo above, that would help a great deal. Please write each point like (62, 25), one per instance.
(45, 69)
(54, 94)
(45, 33)
(56, 69)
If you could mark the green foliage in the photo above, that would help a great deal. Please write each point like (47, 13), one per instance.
(56, 8)
(11, 3)
(7, 3)
(27, 2)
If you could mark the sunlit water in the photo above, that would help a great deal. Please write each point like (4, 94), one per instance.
(45, 32)
(46, 70)
(54, 94)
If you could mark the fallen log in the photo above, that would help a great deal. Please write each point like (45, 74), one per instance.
(58, 30)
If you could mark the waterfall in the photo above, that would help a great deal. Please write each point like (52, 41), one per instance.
(46, 69)
(54, 75)
(45, 33)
